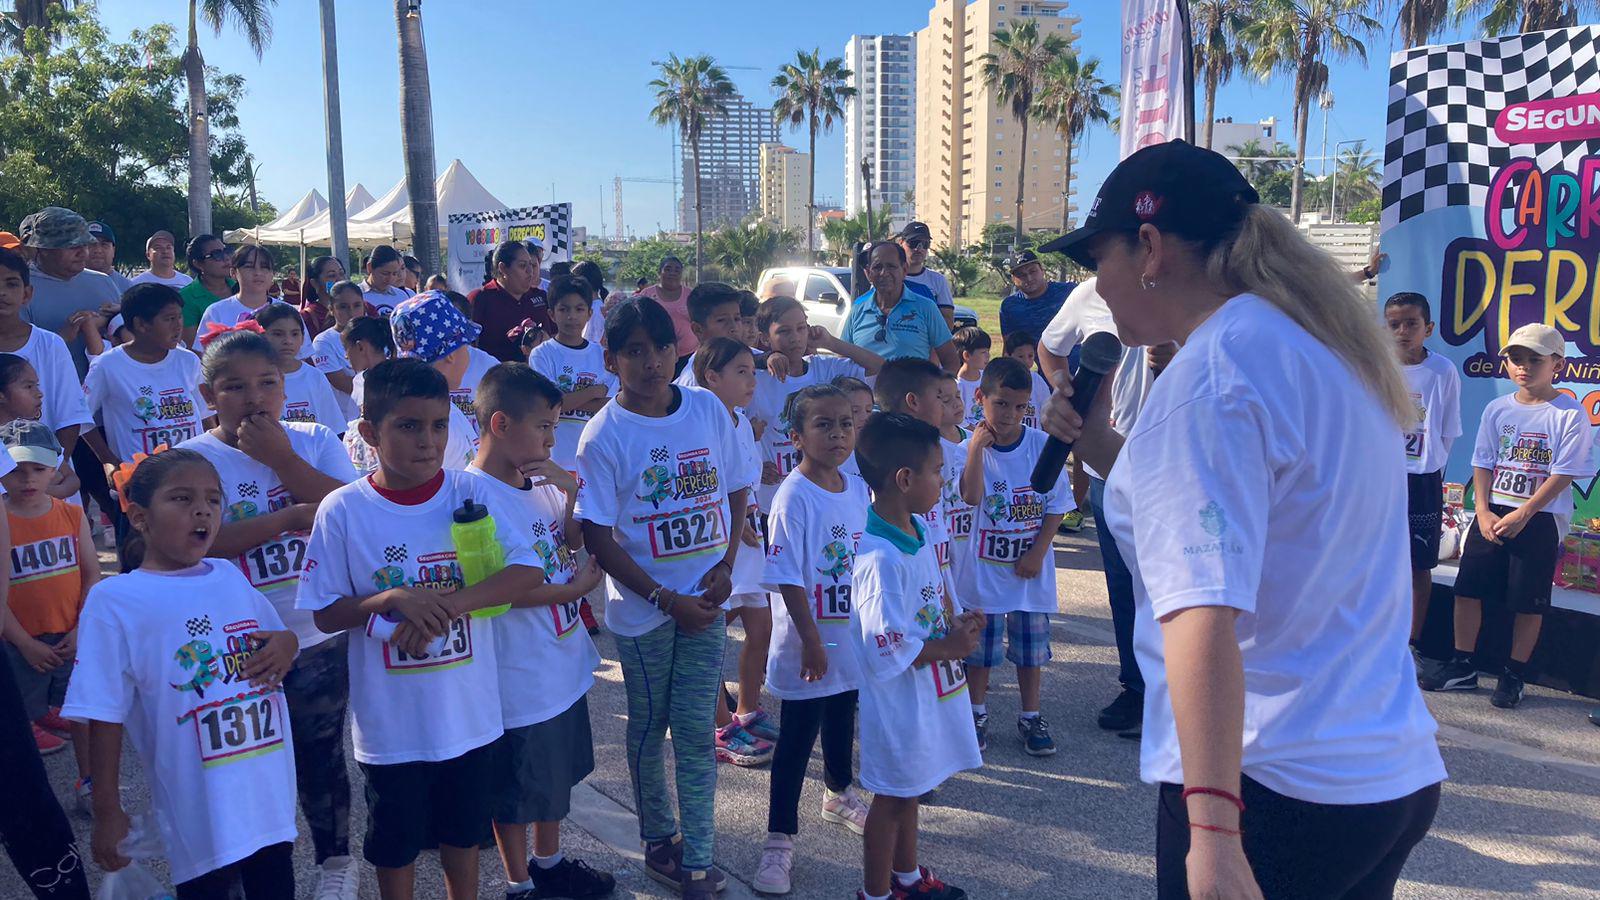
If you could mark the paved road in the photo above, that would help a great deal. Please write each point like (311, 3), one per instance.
(1520, 816)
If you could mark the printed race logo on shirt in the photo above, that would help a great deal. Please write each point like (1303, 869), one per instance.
(949, 675)
(168, 417)
(830, 599)
(1523, 466)
(437, 572)
(275, 562)
(231, 723)
(463, 399)
(1014, 518)
(574, 379)
(1415, 440)
(299, 411)
(683, 531)
(44, 559)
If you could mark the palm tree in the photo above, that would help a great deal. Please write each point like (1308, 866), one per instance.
(416, 134)
(811, 92)
(1502, 16)
(27, 14)
(1073, 97)
(962, 270)
(253, 19)
(333, 134)
(1298, 37)
(1014, 71)
(1418, 20)
(690, 92)
(743, 250)
(1357, 176)
(1217, 25)
(842, 235)
(1257, 161)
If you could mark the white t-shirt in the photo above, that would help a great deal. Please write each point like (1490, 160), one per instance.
(1436, 390)
(938, 286)
(958, 514)
(161, 654)
(63, 401)
(595, 328)
(1524, 444)
(1005, 526)
(662, 486)
(571, 368)
(916, 721)
(812, 547)
(407, 708)
(461, 446)
(328, 354)
(385, 301)
(969, 402)
(1085, 313)
(250, 488)
(768, 405)
(145, 405)
(465, 396)
(308, 397)
(1226, 494)
(230, 311)
(547, 659)
(747, 565)
(178, 281)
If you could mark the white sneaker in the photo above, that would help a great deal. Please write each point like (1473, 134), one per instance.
(340, 879)
(772, 874)
(845, 808)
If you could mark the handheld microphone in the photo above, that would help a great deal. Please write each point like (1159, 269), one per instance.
(1099, 355)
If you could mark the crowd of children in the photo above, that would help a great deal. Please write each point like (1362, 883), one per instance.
(298, 503)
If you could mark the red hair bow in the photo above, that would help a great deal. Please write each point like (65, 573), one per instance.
(217, 329)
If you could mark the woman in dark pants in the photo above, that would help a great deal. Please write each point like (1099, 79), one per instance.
(1260, 502)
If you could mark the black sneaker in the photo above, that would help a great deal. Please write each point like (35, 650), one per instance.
(569, 878)
(1508, 693)
(1035, 734)
(1455, 675)
(980, 724)
(1124, 713)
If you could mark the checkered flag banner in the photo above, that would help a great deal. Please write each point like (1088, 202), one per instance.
(1442, 147)
(556, 218)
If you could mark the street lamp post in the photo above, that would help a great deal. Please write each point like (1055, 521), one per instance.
(1333, 195)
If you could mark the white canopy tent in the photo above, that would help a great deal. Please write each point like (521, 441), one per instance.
(284, 229)
(357, 200)
(388, 219)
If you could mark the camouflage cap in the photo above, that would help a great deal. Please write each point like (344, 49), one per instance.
(55, 228)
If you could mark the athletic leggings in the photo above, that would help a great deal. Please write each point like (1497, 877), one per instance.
(318, 692)
(267, 874)
(835, 717)
(35, 831)
(672, 678)
(1305, 851)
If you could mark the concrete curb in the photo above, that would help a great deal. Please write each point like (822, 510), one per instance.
(617, 827)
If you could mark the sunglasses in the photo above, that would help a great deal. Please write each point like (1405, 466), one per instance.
(918, 245)
(883, 325)
(215, 254)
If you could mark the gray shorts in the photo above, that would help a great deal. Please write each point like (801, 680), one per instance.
(39, 690)
(536, 767)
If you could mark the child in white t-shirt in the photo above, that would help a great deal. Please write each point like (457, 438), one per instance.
(745, 736)
(1023, 347)
(383, 566)
(1531, 445)
(1011, 570)
(958, 513)
(918, 388)
(60, 404)
(1436, 391)
(861, 406)
(713, 313)
(328, 355)
(189, 659)
(910, 639)
(146, 392)
(661, 499)
(546, 658)
(974, 345)
(274, 473)
(576, 364)
(815, 521)
(254, 270)
(307, 396)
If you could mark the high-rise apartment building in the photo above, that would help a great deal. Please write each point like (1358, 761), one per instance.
(880, 123)
(730, 165)
(784, 171)
(969, 148)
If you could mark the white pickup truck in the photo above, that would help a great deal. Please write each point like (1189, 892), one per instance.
(825, 293)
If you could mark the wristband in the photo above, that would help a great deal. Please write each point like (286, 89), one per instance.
(1213, 792)
(1234, 832)
(655, 596)
(671, 601)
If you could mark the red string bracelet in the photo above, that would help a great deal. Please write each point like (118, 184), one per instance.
(1214, 792)
(1218, 829)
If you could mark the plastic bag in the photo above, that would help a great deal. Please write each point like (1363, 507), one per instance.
(134, 881)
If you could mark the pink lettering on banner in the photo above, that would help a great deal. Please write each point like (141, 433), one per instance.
(1575, 118)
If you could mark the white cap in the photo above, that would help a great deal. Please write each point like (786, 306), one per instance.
(1539, 338)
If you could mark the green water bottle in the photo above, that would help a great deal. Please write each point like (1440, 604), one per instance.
(477, 550)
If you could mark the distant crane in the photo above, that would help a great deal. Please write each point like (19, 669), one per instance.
(616, 191)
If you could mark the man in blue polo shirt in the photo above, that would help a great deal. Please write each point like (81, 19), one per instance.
(892, 321)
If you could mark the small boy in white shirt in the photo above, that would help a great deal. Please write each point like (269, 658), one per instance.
(1023, 347)
(910, 641)
(974, 345)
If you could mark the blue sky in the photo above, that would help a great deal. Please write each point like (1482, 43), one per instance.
(547, 99)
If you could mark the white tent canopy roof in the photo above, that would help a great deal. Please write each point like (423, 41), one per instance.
(386, 220)
(356, 200)
(296, 218)
(298, 232)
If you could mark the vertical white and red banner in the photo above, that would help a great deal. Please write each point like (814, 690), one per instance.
(1157, 75)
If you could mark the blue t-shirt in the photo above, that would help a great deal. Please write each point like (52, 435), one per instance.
(1018, 313)
(914, 327)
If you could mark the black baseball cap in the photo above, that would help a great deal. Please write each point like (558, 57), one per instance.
(102, 232)
(1017, 260)
(1175, 186)
(915, 230)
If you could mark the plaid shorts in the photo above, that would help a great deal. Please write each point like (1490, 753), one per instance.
(1027, 640)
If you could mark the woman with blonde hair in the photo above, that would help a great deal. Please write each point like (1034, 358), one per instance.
(1260, 501)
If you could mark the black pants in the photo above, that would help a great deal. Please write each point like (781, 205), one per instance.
(267, 874)
(318, 691)
(35, 831)
(1119, 591)
(799, 723)
(1304, 851)
(92, 477)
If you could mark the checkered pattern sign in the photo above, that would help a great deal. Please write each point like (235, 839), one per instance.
(473, 236)
(1441, 147)
(557, 219)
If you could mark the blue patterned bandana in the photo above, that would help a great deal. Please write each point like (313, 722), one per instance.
(429, 327)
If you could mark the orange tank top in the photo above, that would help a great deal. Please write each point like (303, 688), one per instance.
(46, 583)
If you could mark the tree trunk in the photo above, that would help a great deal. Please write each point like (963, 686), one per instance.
(194, 73)
(335, 136)
(416, 137)
(250, 182)
(1211, 107)
(1022, 172)
(699, 210)
(1066, 185)
(811, 191)
(1301, 114)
